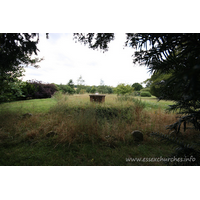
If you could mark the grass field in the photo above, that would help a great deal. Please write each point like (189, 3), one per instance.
(70, 130)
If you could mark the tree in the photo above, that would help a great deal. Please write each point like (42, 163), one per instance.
(102, 82)
(71, 89)
(28, 90)
(16, 49)
(93, 90)
(137, 86)
(148, 82)
(71, 84)
(10, 86)
(66, 89)
(80, 81)
(88, 88)
(123, 89)
(15, 54)
(80, 87)
(156, 83)
(95, 41)
(101, 87)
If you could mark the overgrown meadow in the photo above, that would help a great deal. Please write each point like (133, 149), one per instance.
(71, 130)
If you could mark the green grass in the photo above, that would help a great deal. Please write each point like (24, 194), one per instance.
(46, 153)
(33, 106)
(44, 105)
(85, 133)
(153, 103)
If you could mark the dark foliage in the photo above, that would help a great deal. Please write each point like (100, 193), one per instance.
(28, 90)
(43, 90)
(71, 83)
(95, 41)
(15, 49)
(15, 54)
(178, 55)
(137, 86)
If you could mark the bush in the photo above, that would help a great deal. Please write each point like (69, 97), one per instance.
(145, 94)
(28, 90)
(42, 90)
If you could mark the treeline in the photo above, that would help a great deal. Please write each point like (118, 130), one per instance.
(34, 89)
(101, 89)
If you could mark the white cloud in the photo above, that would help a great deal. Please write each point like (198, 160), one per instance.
(65, 59)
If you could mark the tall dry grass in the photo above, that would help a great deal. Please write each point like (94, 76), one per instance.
(74, 118)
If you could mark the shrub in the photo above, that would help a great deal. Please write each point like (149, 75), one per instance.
(145, 94)
(43, 90)
(28, 89)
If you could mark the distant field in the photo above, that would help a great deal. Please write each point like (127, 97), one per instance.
(43, 105)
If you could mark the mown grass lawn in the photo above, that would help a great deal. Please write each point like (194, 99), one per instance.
(84, 133)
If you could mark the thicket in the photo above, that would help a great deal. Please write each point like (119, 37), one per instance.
(37, 90)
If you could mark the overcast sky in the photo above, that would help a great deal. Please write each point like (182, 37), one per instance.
(64, 60)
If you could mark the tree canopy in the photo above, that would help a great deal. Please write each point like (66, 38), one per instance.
(16, 49)
(137, 86)
(123, 89)
(15, 54)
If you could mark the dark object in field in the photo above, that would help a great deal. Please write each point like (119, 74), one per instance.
(51, 134)
(100, 98)
(27, 115)
(137, 135)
